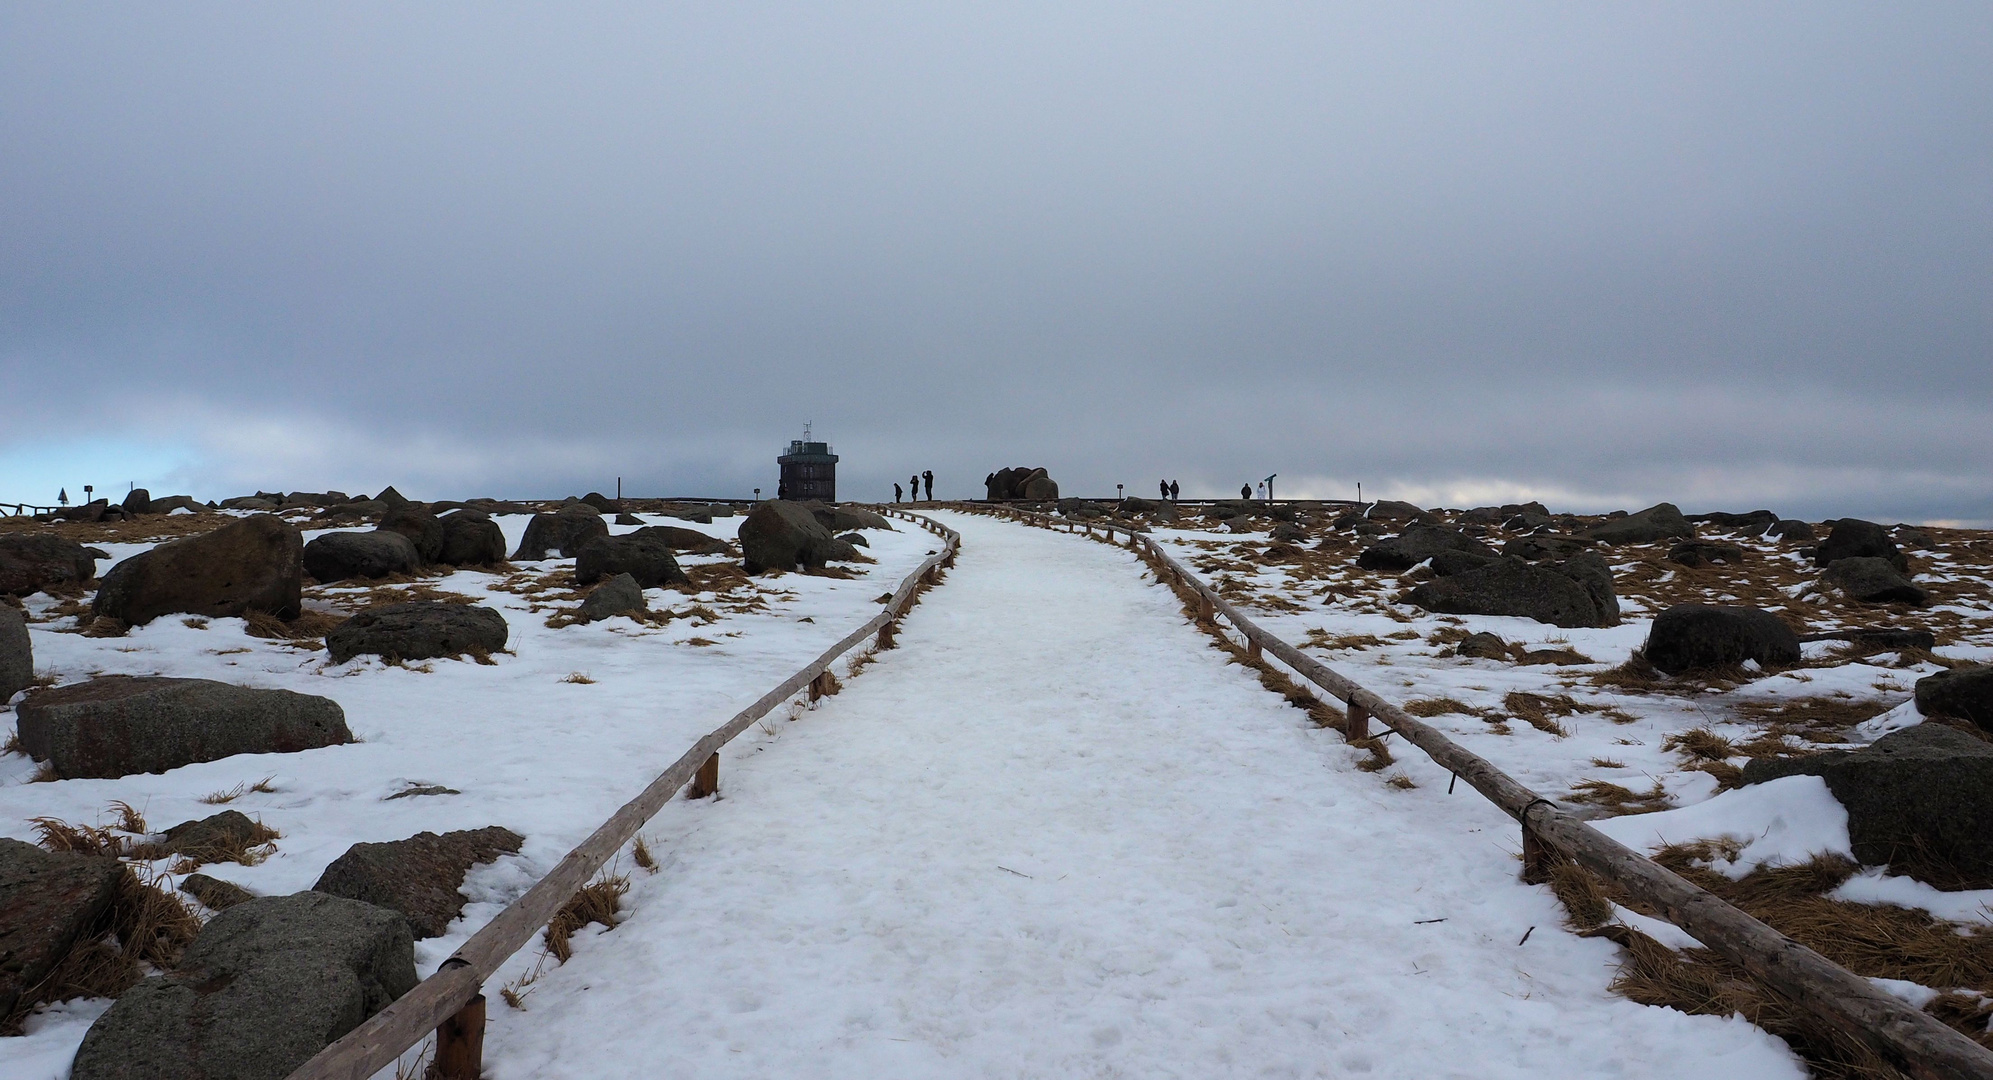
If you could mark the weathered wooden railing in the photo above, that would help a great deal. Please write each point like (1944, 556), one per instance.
(1908, 1038)
(450, 1004)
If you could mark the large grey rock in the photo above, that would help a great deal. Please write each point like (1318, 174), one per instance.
(255, 564)
(1753, 523)
(1012, 483)
(266, 984)
(620, 595)
(216, 838)
(343, 556)
(1393, 510)
(1590, 570)
(1417, 544)
(567, 531)
(421, 630)
(1791, 531)
(420, 526)
(681, 539)
(471, 538)
(48, 900)
(17, 658)
(1966, 693)
(117, 725)
(418, 877)
(1921, 798)
(138, 501)
(32, 562)
(1872, 580)
(780, 535)
(1662, 521)
(847, 518)
(645, 558)
(391, 497)
(170, 503)
(1853, 538)
(1514, 587)
(1040, 489)
(1690, 636)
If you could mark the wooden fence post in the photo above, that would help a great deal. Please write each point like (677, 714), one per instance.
(885, 639)
(1205, 611)
(1252, 648)
(1537, 858)
(707, 780)
(460, 1043)
(1356, 726)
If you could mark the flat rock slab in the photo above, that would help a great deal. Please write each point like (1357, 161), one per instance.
(418, 631)
(214, 893)
(1921, 798)
(1512, 587)
(267, 984)
(418, 877)
(118, 725)
(342, 556)
(47, 901)
(254, 564)
(691, 541)
(647, 559)
(1872, 580)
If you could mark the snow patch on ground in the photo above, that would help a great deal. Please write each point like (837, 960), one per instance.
(1783, 822)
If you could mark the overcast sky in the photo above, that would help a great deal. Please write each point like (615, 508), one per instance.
(1729, 255)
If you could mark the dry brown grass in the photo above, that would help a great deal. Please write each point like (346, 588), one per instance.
(594, 903)
(307, 630)
(577, 677)
(1700, 744)
(640, 851)
(58, 835)
(1816, 719)
(139, 530)
(1541, 712)
(1619, 799)
(224, 797)
(247, 850)
(1445, 706)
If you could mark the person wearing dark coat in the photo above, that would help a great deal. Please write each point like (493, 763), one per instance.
(928, 475)
(1165, 486)
(914, 483)
(1173, 491)
(896, 493)
(1245, 491)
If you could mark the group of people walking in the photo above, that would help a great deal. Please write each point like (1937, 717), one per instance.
(1169, 490)
(914, 482)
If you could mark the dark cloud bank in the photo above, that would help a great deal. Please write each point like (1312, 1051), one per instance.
(1731, 255)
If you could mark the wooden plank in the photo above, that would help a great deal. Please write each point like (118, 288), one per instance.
(460, 1043)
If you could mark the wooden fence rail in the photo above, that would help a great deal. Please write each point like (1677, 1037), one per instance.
(1836, 998)
(450, 1003)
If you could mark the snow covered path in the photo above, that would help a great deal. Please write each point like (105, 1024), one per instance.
(1055, 834)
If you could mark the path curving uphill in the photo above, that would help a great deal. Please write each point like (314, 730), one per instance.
(1055, 833)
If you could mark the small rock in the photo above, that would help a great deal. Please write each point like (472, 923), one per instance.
(1966, 693)
(267, 984)
(218, 838)
(1545, 546)
(1690, 636)
(391, 497)
(1391, 510)
(856, 540)
(628, 519)
(620, 595)
(415, 790)
(343, 556)
(254, 564)
(1514, 587)
(117, 725)
(1872, 581)
(421, 630)
(681, 539)
(1417, 544)
(419, 877)
(1483, 646)
(214, 893)
(646, 559)
(1699, 553)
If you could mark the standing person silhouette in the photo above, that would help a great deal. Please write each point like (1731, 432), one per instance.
(1165, 486)
(914, 483)
(1173, 492)
(928, 475)
(1245, 491)
(896, 493)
